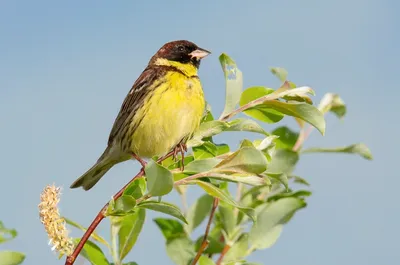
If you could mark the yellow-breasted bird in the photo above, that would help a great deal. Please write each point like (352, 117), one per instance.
(161, 111)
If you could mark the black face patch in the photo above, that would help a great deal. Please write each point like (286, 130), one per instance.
(180, 53)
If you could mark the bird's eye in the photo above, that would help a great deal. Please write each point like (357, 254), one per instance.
(181, 48)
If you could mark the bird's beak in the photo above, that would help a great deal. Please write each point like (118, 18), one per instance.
(199, 53)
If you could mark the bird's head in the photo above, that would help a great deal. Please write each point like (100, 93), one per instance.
(181, 51)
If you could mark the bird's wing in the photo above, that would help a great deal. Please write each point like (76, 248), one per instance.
(135, 98)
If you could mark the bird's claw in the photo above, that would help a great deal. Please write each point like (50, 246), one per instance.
(180, 148)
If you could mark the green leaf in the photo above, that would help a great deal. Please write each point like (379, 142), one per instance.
(300, 180)
(11, 257)
(94, 235)
(93, 253)
(333, 103)
(122, 206)
(228, 219)
(215, 245)
(279, 72)
(360, 149)
(218, 193)
(163, 207)
(201, 165)
(303, 111)
(267, 146)
(242, 177)
(6, 234)
(170, 228)
(297, 194)
(283, 161)
(260, 112)
(206, 129)
(287, 137)
(128, 228)
(238, 250)
(234, 83)
(246, 159)
(281, 177)
(206, 150)
(271, 215)
(159, 179)
(205, 261)
(180, 250)
(198, 212)
(136, 189)
(245, 125)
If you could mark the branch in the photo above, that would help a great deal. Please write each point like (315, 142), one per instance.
(101, 215)
(205, 242)
(302, 137)
(224, 251)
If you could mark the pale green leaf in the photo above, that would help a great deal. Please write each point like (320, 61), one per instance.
(218, 193)
(238, 249)
(333, 103)
(93, 253)
(180, 250)
(122, 206)
(228, 219)
(360, 149)
(281, 177)
(163, 207)
(301, 110)
(245, 125)
(201, 165)
(233, 81)
(127, 229)
(271, 215)
(198, 212)
(170, 228)
(287, 137)
(283, 161)
(207, 129)
(6, 234)
(240, 177)
(11, 257)
(159, 179)
(94, 235)
(260, 112)
(246, 159)
(279, 72)
(136, 189)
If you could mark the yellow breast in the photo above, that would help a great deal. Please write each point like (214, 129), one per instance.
(172, 112)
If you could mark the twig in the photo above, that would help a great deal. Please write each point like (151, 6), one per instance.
(224, 251)
(205, 242)
(101, 215)
(302, 137)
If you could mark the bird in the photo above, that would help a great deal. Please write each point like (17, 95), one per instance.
(159, 114)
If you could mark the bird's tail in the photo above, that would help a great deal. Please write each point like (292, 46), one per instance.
(94, 174)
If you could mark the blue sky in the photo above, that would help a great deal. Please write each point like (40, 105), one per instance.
(66, 67)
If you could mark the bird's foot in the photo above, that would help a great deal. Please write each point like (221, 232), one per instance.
(180, 148)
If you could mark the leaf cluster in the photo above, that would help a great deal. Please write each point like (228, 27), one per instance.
(253, 182)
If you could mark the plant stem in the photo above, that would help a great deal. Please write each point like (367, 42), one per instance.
(101, 215)
(205, 242)
(304, 134)
(224, 251)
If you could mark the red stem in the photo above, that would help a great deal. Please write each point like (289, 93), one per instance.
(224, 251)
(204, 243)
(100, 216)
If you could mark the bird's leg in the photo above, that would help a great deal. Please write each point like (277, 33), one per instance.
(180, 148)
(141, 161)
(183, 149)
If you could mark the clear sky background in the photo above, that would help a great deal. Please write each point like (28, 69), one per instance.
(65, 68)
